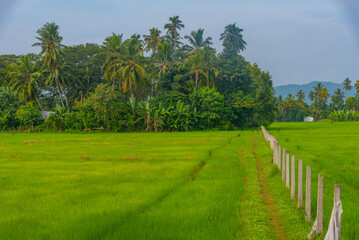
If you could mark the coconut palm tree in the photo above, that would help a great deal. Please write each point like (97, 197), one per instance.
(323, 94)
(233, 39)
(289, 102)
(152, 40)
(163, 59)
(347, 85)
(356, 85)
(281, 104)
(197, 67)
(51, 51)
(112, 49)
(62, 75)
(130, 67)
(209, 59)
(172, 30)
(87, 85)
(26, 80)
(197, 41)
(338, 98)
(311, 96)
(300, 96)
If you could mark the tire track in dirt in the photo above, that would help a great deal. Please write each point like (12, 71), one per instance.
(268, 200)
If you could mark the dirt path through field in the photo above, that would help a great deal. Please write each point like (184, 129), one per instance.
(268, 201)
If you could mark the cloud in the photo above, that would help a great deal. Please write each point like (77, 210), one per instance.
(296, 41)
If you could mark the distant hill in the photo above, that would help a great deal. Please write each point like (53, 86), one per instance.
(284, 90)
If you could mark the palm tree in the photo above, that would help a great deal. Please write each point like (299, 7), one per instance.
(87, 85)
(25, 80)
(323, 94)
(317, 88)
(281, 104)
(311, 96)
(233, 38)
(209, 59)
(62, 75)
(196, 64)
(347, 85)
(163, 59)
(51, 51)
(152, 40)
(357, 88)
(172, 30)
(129, 68)
(300, 96)
(112, 49)
(337, 98)
(289, 102)
(197, 41)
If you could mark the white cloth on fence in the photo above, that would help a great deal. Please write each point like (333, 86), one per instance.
(314, 229)
(335, 224)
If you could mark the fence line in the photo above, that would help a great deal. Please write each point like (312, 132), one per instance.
(288, 176)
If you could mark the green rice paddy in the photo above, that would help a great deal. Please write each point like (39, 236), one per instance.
(195, 185)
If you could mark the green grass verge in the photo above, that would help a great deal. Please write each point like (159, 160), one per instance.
(332, 150)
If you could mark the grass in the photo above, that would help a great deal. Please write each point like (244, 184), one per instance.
(127, 186)
(331, 149)
(196, 185)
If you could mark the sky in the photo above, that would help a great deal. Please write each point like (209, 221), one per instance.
(297, 41)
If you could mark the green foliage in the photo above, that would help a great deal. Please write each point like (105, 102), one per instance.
(208, 105)
(74, 77)
(104, 108)
(28, 115)
(341, 115)
(9, 103)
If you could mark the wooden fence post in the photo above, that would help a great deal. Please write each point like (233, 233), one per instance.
(279, 157)
(337, 199)
(292, 186)
(320, 205)
(300, 183)
(287, 171)
(274, 147)
(308, 184)
(283, 165)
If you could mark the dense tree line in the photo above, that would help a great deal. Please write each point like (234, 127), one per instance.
(161, 81)
(323, 104)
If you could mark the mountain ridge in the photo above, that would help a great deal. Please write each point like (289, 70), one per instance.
(284, 90)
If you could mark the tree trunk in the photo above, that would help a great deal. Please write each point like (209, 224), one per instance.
(57, 87)
(62, 90)
(196, 79)
(43, 112)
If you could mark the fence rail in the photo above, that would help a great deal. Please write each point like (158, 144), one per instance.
(282, 160)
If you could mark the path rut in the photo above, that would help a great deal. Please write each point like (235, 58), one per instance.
(268, 200)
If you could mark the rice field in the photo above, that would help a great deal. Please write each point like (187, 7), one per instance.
(332, 150)
(185, 185)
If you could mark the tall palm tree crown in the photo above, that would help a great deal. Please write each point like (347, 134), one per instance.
(233, 39)
(347, 85)
(152, 40)
(356, 85)
(26, 79)
(50, 43)
(300, 95)
(172, 30)
(130, 67)
(197, 41)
